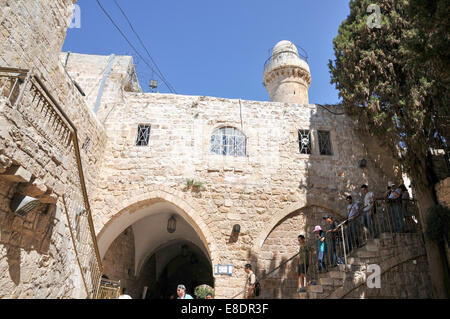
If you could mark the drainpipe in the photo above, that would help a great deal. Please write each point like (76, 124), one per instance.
(102, 85)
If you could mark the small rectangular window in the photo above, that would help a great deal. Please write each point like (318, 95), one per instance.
(86, 144)
(143, 135)
(324, 143)
(304, 141)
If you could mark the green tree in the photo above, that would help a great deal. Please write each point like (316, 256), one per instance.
(393, 78)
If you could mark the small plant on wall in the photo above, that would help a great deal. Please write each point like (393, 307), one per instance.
(194, 185)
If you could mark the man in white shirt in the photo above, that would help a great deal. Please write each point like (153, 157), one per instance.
(367, 215)
(251, 281)
(124, 295)
(181, 292)
(395, 204)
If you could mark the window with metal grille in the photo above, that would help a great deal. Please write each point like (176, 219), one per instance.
(304, 141)
(324, 143)
(228, 141)
(143, 135)
(86, 144)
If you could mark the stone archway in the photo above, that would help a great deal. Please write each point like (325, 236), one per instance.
(277, 243)
(285, 213)
(145, 223)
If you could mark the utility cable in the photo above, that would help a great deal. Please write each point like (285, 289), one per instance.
(131, 45)
(142, 43)
(330, 110)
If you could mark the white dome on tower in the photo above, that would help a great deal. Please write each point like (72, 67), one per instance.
(286, 76)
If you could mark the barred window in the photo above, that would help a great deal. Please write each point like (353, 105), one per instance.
(86, 144)
(143, 135)
(304, 141)
(324, 143)
(228, 141)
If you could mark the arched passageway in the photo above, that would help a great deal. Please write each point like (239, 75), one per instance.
(138, 249)
(179, 262)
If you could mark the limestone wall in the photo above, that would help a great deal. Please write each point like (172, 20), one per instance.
(408, 280)
(32, 35)
(119, 260)
(38, 260)
(256, 191)
(89, 71)
(443, 192)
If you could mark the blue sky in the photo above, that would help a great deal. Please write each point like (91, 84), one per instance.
(214, 48)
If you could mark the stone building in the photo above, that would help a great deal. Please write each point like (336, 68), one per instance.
(165, 180)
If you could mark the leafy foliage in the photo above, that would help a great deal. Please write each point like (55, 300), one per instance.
(201, 291)
(394, 79)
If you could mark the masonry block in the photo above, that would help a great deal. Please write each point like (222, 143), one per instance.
(16, 174)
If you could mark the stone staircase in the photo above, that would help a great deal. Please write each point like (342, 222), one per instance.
(338, 280)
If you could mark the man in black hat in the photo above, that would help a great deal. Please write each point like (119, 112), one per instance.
(334, 237)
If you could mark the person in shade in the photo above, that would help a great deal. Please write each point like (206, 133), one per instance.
(321, 248)
(181, 292)
(304, 260)
(367, 214)
(333, 234)
(251, 281)
(352, 214)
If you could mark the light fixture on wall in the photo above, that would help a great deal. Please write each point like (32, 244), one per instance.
(172, 224)
(237, 229)
(21, 204)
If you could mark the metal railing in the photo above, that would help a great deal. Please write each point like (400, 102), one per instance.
(109, 289)
(385, 219)
(29, 96)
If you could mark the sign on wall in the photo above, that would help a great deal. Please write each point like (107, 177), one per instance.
(223, 270)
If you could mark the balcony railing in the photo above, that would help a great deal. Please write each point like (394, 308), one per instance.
(386, 219)
(28, 95)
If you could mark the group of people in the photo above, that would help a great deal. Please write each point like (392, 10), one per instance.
(395, 219)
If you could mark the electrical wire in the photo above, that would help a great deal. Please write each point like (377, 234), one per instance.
(131, 45)
(330, 110)
(143, 45)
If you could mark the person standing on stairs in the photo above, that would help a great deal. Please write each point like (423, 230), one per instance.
(304, 260)
(368, 209)
(321, 249)
(333, 233)
(352, 231)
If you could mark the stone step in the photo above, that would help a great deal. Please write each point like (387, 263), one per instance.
(338, 282)
(315, 289)
(336, 274)
(385, 236)
(302, 295)
(312, 295)
(366, 254)
(353, 261)
(326, 281)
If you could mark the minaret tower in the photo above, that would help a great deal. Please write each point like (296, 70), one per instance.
(286, 76)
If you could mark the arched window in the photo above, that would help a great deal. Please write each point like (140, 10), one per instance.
(228, 141)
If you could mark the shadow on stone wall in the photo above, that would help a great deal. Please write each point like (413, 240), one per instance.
(324, 183)
(32, 231)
